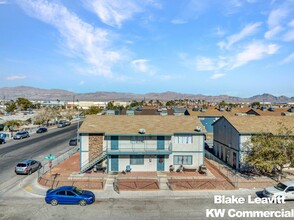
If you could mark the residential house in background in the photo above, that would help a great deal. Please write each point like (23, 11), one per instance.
(144, 143)
(232, 135)
(52, 103)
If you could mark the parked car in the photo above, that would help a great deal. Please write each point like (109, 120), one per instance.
(61, 125)
(21, 135)
(42, 130)
(67, 123)
(27, 166)
(73, 142)
(69, 195)
(2, 141)
(285, 190)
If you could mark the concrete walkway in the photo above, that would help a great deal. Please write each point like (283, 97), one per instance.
(32, 187)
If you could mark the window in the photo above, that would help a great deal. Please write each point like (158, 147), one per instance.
(61, 193)
(70, 193)
(137, 139)
(183, 139)
(290, 189)
(183, 160)
(137, 160)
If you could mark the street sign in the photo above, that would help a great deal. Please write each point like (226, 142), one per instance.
(50, 157)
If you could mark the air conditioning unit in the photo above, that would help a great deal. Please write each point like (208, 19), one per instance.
(142, 131)
(198, 128)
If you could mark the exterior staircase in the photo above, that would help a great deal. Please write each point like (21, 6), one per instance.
(93, 162)
(162, 181)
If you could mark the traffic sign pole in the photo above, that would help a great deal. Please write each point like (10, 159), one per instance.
(50, 157)
(50, 166)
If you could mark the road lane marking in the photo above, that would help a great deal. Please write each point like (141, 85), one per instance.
(28, 188)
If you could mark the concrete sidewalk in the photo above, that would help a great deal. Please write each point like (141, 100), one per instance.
(31, 186)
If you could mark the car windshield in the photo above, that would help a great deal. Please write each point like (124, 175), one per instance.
(21, 165)
(78, 191)
(281, 187)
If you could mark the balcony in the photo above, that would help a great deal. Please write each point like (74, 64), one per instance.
(142, 148)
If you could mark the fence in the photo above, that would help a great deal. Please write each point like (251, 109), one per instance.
(85, 182)
(57, 161)
(136, 183)
(239, 180)
(199, 184)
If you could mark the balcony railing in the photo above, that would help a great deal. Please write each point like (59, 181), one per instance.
(139, 149)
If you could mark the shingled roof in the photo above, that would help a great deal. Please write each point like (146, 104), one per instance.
(212, 111)
(153, 125)
(257, 124)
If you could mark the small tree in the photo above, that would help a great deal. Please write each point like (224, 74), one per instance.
(269, 152)
(23, 103)
(45, 115)
(222, 103)
(255, 104)
(93, 110)
(110, 105)
(10, 107)
(170, 103)
(12, 124)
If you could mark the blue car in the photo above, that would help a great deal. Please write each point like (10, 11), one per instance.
(69, 195)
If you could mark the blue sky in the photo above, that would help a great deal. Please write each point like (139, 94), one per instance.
(211, 47)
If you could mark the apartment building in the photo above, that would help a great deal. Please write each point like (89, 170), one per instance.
(232, 135)
(144, 143)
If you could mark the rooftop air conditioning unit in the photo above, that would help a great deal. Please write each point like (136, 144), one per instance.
(142, 131)
(198, 128)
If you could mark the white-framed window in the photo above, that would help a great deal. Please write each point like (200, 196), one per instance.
(183, 139)
(137, 159)
(183, 160)
(137, 139)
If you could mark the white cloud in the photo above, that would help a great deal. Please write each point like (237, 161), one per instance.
(80, 38)
(247, 31)
(113, 12)
(217, 75)
(3, 2)
(82, 82)
(178, 21)
(254, 51)
(289, 36)
(143, 66)
(289, 59)
(236, 3)
(273, 32)
(220, 32)
(16, 77)
(291, 23)
(204, 64)
(276, 16)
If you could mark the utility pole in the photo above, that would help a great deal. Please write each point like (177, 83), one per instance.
(78, 125)
(73, 101)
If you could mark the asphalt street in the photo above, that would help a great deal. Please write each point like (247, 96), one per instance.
(194, 206)
(55, 141)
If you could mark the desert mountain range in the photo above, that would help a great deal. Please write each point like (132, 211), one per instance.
(31, 93)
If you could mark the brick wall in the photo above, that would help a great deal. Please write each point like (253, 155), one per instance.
(95, 145)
